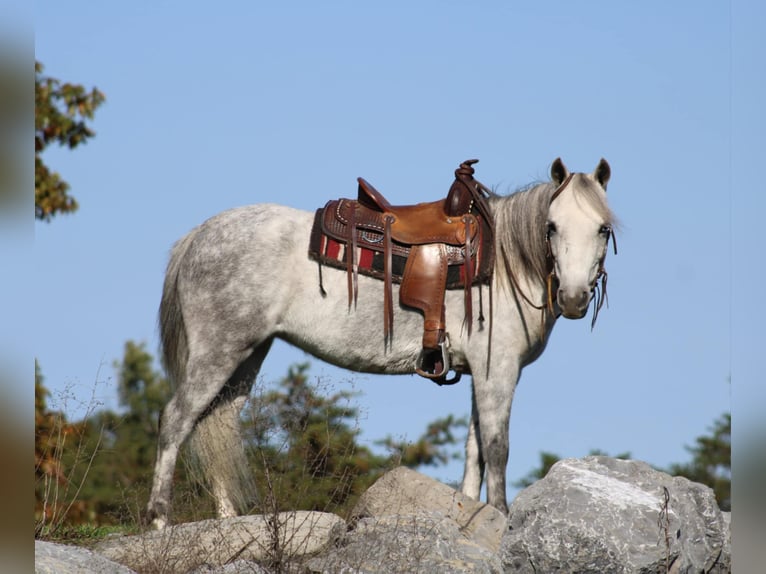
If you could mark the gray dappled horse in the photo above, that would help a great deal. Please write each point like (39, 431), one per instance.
(243, 278)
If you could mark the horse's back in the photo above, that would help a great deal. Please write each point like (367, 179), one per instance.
(233, 271)
(248, 235)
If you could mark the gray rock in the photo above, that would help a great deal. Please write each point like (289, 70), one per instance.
(212, 543)
(405, 491)
(51, 558)
(406, 543)
(601, 514)
(236, 567)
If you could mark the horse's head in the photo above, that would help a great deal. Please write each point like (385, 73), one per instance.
(578, 229)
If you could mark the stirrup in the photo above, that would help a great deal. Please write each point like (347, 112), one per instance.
(433, 356)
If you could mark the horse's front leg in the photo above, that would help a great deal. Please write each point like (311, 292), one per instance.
(493, 398)
(473, 474)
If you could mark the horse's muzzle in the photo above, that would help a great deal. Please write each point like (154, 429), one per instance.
(573, 302)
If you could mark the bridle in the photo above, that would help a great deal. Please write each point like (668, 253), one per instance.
(599, 290)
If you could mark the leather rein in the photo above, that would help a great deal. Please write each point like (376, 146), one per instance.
(600, 295)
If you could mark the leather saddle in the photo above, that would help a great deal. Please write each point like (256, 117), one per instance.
(427, 248)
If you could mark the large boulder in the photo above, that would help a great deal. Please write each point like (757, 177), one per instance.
(51, 558)
(215, 543)
(406, 543)
(403, 491)
(408, 522)
(601, 514)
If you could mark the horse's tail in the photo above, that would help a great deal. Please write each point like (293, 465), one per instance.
(218, 456)
(174, 348)
(219, 459)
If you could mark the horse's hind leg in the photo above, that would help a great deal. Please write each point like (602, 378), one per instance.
(217, 443)
(206, 375)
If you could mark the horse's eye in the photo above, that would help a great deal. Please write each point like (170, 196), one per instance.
(605, 230)
(550, 229)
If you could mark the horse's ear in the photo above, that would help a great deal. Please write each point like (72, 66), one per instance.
(559, 171)
(602, 173)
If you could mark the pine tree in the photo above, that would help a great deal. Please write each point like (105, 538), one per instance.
(711, 461)
(306, 450)
(303, 443)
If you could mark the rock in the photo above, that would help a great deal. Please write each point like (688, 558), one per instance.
(601, 514)
(405, 491)
(53, 558)
(408, 522)
(406, 543)
(236, 567)
(213, 543)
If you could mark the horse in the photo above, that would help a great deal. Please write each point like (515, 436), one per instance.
(243, 278)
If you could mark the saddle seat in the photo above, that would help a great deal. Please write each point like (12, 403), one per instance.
(433, 239)
(421, 223)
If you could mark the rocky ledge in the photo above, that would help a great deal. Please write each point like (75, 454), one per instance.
(596, 514)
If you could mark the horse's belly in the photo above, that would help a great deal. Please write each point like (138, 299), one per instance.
(353, 337)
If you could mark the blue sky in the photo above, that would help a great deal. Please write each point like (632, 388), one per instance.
(211, 108)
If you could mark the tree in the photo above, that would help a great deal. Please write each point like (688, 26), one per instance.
(128, 439)
(710, 464)
(306, 448)
(106, 459)
(711, 461)
(61, 114)
(59, 450)
(142, 392)
(303, 447)
(431, 448)
(48, 443)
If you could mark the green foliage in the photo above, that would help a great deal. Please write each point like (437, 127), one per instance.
(547, 460)
(430, 449)
(60, 455)
(61, 114)
(711, 461)
(710, 464)
(142, 392)
(105, 460)
(303, 443)
(123, 467)
(304, 446)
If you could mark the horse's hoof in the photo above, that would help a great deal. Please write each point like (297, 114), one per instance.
(159, 523)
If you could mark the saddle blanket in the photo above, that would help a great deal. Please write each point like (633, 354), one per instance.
(331, 251)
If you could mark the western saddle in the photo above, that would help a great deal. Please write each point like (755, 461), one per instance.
(427, 248)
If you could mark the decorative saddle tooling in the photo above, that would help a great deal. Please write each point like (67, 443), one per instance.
(426, 248)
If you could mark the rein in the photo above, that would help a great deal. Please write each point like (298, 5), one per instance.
(600, 296)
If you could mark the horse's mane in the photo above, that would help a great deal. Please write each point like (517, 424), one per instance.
(520, 232)
(520, 226)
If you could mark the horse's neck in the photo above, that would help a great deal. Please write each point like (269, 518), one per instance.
(521, 285)
(524, 295)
